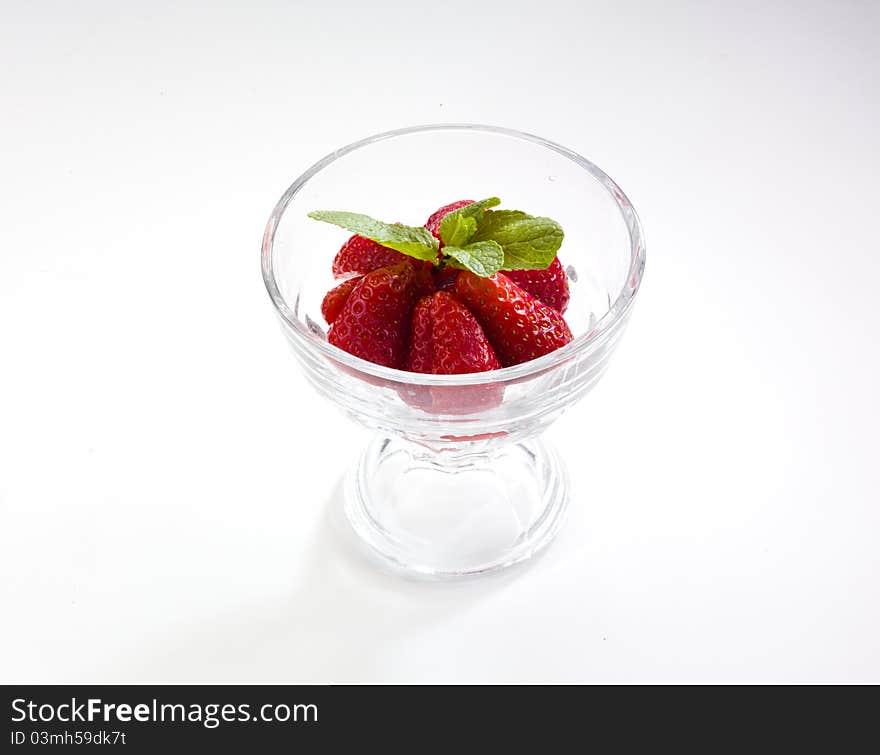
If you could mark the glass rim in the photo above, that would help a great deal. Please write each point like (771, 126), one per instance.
(583, 343)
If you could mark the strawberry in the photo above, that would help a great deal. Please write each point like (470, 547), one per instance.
(361, 255)
(335, 299)
(447, 339)
(550, 285)
(374, 323)
(421, 346)
(433, 224)
(519, 326)
(425, 282)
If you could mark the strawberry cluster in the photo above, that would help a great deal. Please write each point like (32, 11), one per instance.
(426, 316)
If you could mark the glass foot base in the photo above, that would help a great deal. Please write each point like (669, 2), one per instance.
(468, 515)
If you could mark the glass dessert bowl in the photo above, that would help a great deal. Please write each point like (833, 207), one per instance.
(457, 480)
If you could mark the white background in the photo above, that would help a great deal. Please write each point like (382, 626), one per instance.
(169, 485)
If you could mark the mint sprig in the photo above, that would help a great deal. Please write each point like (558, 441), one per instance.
(456, 230)
(416, 242)
(475, 209)
(475, 237)
(529, 243)
(483, 258)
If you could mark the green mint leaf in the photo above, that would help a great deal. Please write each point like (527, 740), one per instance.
(483, 258)
(476, 209)
(458, 226)
(529, 243)
(414, 242)
(456, 230)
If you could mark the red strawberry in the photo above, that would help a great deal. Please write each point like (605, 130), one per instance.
(361, 255)
(425, 285)
(550, 285)
(447, 339)
(374, 324)
(335, 299)
(519, 326)
(433, 224)
(421, 347)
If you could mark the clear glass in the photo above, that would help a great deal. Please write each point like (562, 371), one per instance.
(457, 480)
